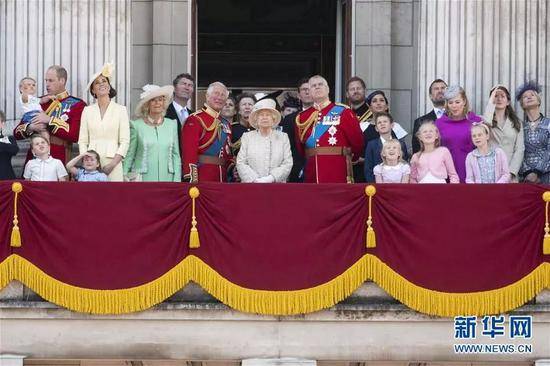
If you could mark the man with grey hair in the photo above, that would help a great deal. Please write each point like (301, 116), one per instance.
(205, 140)
(329, 136)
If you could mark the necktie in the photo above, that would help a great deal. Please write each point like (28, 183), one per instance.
(183, 115)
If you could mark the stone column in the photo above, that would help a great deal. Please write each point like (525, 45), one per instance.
(11, 360)
(159, 43)
(385, 53)
(286, 361)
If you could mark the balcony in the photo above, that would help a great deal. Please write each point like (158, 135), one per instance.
(308, 282)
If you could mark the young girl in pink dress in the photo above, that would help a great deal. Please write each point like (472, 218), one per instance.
(433, 163)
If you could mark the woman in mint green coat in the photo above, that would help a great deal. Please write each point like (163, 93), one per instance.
(153, 155)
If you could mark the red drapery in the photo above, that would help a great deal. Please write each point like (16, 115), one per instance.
(276, 243)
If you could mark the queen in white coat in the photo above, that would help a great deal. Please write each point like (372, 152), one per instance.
(265, 155)
(104, 126)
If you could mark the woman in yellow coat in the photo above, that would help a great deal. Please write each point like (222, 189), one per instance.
(104, 126)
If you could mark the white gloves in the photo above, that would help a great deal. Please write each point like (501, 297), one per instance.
(267, 179)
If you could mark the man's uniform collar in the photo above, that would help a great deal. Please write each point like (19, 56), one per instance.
(322, 105)
(210, 111)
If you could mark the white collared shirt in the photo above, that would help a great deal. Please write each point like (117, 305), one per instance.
(49, 170)
(383, 140)
(439, 112)
(181, 111)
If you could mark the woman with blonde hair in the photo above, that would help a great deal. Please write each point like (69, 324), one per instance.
(454, 127)
(153, 154)
(265, 155)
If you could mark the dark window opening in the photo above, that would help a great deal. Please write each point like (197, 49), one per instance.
(265, 43)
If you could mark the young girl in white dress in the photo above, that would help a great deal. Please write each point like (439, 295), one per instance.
(392, 169)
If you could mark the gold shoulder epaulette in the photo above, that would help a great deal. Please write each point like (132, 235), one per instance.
(343, 105)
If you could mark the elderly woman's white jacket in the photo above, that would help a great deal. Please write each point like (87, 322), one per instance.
(261, 156)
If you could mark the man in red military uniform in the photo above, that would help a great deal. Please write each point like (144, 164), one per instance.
(205, 140)
(61, 117)
(329, 136)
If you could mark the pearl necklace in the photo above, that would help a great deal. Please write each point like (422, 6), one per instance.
(154, 123)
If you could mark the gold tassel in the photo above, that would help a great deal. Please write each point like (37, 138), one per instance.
(371, 235)
(194, 241)
(546, 241)
(15, 240)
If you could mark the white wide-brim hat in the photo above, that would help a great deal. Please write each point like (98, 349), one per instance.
(264, 105)
(150, 92)
(107, 70)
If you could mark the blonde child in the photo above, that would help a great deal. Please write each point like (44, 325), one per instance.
(90, 169)
(43, 168)
(486, 163)
(393, 168)
(30, 104)
(433, 163)
(384, 126)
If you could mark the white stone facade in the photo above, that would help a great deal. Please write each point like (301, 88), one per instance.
(369, 326)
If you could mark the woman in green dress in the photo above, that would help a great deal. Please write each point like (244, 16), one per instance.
(153, 155)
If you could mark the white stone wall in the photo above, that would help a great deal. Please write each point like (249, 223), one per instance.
(385, 52)
(160, 51)
(478, 44)
(193, 326)
(78, 34)
(212, 332)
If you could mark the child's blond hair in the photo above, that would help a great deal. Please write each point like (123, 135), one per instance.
(483, 126)
(437, 142)
(388, 143)
(25, 78)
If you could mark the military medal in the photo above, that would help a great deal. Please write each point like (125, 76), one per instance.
(332, 131)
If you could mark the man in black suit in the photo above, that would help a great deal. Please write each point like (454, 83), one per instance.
(437, 89)
(289, 127)
(355, 92)
(184, 85)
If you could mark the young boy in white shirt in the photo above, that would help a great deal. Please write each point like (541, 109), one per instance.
(44, 168)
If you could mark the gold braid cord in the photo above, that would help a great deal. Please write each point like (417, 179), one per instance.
(303, 127)
(194, 241)
(215, 125)
(15, 240)
(370, 191)
(365, 116)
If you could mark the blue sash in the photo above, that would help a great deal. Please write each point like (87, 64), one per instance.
(321, 128)
(216, 146)
(65, 106)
